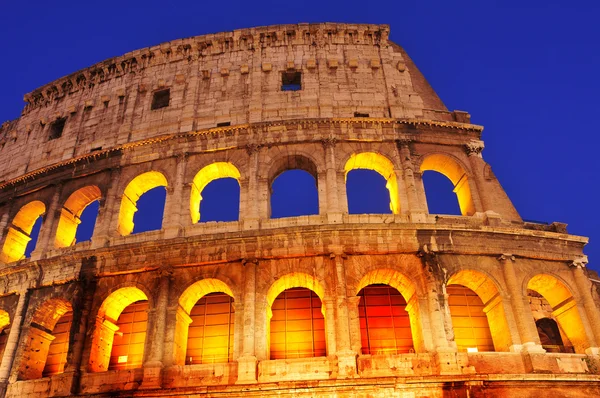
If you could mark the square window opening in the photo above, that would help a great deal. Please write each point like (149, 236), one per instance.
(358, 114)
(291, 81)
(56, 128)
(223, 124)
(161, 99)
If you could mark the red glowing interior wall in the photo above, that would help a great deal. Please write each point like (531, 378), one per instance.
(384, 322)
(210, 336)
(297, 325)
(128, 344)
(471, 328)
(57, 352)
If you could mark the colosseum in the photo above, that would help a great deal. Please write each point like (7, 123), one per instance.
(334, 304)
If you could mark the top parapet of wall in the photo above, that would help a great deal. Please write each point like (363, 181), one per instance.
(197, 47)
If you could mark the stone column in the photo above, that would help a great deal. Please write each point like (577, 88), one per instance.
(415, 208)
(584, 287)
(13, 341)
(333, 210)
(153, 366)
(247, 362)
(48, 230)
(3, 225)
(479, 195)
(522, 312)
(107, 212)
(175, 203)
(339, 311)
(250, 218)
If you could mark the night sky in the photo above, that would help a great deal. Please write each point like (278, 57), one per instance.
(529, 74)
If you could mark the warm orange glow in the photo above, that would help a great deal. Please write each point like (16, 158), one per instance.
(57, 352)
(18, 233)
(204, 177)
(189, 299)
(564, 308)
(210, 337)
(4, 330)
(70, 213)
(107, 326)
(39, 347)
(384, 322)
(294, 279)
(297, 328)
(136, 188)
(128, 344)
(382, 165)
(471, 328)
(485, 288)
(452, 169)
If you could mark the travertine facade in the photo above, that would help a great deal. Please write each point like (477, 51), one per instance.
(356, 101)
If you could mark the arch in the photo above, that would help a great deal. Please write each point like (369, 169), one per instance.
(106, 324)
(188, 299)
(71, 212)
(292, 162)
(41, 339)
(291, 280)
(205, 176)
(471, 327)
(564, 308)
(550, 336)
(493, 307)
(18, 235)
(407, 290)
(455, 172)
(382, 165)
(136, 188)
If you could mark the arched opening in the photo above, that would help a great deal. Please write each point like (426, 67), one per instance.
(151, 206)
(204, 329)
(450, 168)
(216, 193)
(389, 313)
(480, 287)
(130, 337)
(564, 309)
(21, 231)
(383, 166)
(367, 192)
(120, 331)
(47, 343)
(4, 330)
(70, 221)
(440, 194)
(296, 317)
(471, 327)
(552, 338)
(384, 321)
(297, 325)
(293, 185)
(210, 338)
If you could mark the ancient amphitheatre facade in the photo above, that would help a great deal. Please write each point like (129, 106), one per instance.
(407, 304)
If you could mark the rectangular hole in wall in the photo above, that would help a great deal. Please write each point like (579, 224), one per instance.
(223, 124)
(56, 128)
(161, 99)
(358, 114)
(291, 81)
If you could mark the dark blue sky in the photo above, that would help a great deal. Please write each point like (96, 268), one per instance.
(529, 74)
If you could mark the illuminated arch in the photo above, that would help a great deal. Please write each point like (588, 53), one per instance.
(18, 234)
(70, 213)
(204, 177)
(305, 335)
(487, 290)
(136, 188)
(192, 296)
(452, 169)
(382, 165)
(42, 338)
(564, 308)
(407, 289)
(106, 324)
